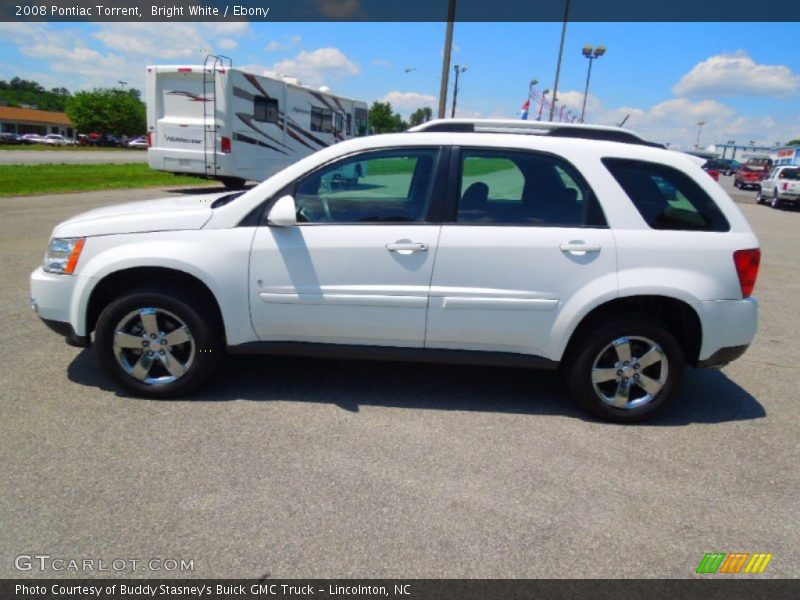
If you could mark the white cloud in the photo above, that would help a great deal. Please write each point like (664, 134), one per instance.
(737, 75)
(573, 101)
(409, 101)
(317, 66)
(159, 42)
(290, 42)
(675, 121)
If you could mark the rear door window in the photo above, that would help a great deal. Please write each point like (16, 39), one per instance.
(666, 197)
(514, 187)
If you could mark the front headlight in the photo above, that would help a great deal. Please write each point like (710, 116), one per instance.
(62, 255)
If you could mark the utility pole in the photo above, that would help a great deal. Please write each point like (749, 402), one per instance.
(458, 69)
(560, 54)
(448, 46)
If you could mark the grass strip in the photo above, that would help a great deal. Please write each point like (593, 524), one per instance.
(23, 180)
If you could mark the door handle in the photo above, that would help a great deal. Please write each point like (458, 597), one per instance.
(579, 248)
(406, 247)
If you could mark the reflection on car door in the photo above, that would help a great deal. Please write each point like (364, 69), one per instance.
(357, 267)
(528, 243)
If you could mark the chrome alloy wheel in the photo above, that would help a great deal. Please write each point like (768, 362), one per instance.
(153, 346)
(629, 372)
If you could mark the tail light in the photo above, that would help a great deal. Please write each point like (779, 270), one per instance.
(747, 262)
(225, 145)
(785, 186)
(149, 139)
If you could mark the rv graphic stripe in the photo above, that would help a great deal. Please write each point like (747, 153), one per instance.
(254, 82)
(248, 120)
(308, 135)
(243, 94)
(189, 95)
(241, 137)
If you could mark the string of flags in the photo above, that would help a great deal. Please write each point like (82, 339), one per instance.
(562, 114)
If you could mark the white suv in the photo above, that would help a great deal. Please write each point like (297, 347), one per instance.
(487, 242)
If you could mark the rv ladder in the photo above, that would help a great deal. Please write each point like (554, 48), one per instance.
(212, 65)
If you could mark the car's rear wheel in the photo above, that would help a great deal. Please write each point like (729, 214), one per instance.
(157, 343)
(626, 370)
(776, 203)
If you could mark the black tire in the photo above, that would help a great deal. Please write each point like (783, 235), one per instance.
(592, 346)
(776, 203)
(205, 332)
(232, 183)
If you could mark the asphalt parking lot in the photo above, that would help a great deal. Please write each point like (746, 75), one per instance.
(298, 467)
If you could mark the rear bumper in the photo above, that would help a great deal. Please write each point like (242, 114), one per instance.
(722, 357)
(729, 327)
(189, 162)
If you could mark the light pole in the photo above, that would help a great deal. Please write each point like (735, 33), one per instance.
(123, 84)
(699, 129)
(458, 69)
(561, 112)
(591, 54)
(560, 54)
(541, 104)
(448, 45)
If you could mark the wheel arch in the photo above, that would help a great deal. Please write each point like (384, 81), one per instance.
(115, 283)
(678, 316)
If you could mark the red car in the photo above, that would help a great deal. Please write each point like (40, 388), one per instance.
(750, 176)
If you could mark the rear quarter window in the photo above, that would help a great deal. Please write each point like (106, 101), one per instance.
(667, 198)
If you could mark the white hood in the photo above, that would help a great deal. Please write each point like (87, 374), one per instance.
(165, 214)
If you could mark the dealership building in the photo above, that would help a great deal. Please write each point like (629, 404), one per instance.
(30, 120)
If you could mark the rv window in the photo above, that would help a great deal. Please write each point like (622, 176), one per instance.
(265, 109)
(321, 119)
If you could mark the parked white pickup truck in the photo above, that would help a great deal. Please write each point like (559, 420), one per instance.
(781, 186)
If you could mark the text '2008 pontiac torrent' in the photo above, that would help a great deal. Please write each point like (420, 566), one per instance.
(489, 242)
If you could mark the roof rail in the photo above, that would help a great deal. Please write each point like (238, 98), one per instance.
(569, 130)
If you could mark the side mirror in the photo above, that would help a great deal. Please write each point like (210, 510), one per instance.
(283, 213)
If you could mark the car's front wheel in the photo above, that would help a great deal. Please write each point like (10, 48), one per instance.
(158, 343)
(625, 370)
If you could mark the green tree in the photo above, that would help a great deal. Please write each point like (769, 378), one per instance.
(421, 115)
(382, 119)
(107, 111)
(21, 92)
(793, 143)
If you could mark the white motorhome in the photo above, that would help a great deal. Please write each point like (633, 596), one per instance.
(231, 125)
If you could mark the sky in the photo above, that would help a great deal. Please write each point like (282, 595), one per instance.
(741, 79)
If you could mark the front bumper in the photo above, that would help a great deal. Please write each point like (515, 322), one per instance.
(51, 298)
(66, 330)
